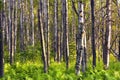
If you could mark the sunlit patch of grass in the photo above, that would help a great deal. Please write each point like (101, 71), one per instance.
(57, 71)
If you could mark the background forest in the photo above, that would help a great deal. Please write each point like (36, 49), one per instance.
(59, 39)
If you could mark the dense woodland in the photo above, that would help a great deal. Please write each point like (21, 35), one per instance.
(60, 39)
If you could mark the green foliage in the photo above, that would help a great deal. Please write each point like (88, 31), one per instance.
(1, 4)
(30, 54)
(29, 66)
(34, 71)
(72, 48)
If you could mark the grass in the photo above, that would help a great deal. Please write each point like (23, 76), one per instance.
(32, 69)
(57, 71)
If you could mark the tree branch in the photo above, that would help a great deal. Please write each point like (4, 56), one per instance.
(74, 8)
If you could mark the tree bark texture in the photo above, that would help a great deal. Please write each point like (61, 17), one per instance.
(107, 35)
(55, 28)
(65, 31)
(21, 27)
(31, 23)
(46, 28)
(93, 33)
(56, 33)
(80, 40)
(1, 46)
(42, 40)
(119, 47)
(10, 28)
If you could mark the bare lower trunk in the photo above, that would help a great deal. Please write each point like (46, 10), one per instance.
(21, 28)
(61, 40)
(79, 39)
(10, 28)
(119, 47)
(55, 29)
(1, 46)
(42, 40)
(93, 34)
(46, 28)
(107, 35)
(56, 33)
(58, 51)
(65, 31)
(27, 25)
(15, 27)
(48, 35)
(31, 23)
(102, 30)
(84, 54)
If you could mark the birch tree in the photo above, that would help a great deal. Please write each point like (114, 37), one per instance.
(15, 25)
(42, 39)
(55, 28)
(10, 26)
(1, 42)
(46, 28)
(56, 33)
(26, 22)
(65, 31)
(61, 38)
(107, 34)
(79, 38)
(31, 23)
(21, 26)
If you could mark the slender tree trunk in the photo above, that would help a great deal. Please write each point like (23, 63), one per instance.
(79, 37)
(103, 28)
(58, 49)
(107, 35)
(27, 25)
(3, 19)
(32, 23)
(61, 39)
(57, 31)
(119, 47)
(117, 2)
(5, 24)
(93, 34)
(55, 28)
(21, 27)
(48, 35)
(56, 43)
(1, 45)
(65, 31)
(42, 40)
(84, 54)
(15, 28)
(10, 31)
(46, 27)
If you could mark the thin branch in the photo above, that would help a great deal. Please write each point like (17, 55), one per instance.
(74, 8)
(114, 53)
(114, 40)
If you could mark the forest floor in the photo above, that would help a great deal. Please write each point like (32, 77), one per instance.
(30, 70)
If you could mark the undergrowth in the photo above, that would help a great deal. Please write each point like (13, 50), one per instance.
(29, 66)
(57, 71)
